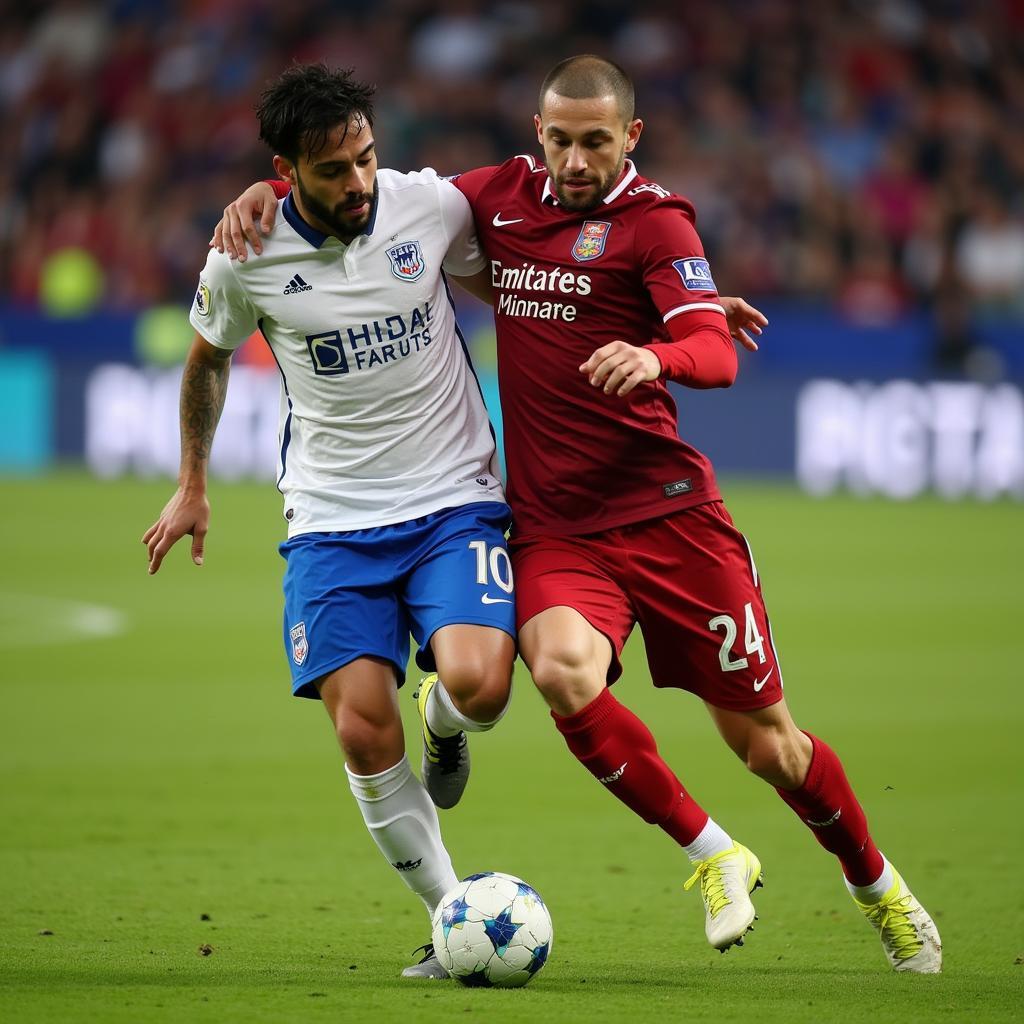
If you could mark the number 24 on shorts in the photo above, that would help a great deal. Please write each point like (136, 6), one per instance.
(492, 564)
(752, 639)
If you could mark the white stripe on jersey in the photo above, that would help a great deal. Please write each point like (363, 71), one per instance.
(690, 307)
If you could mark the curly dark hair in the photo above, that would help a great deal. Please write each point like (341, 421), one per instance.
(299, 111)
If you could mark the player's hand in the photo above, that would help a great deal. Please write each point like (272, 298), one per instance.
(238, 225)
(187, 512)
(743, 317)
(618, 367)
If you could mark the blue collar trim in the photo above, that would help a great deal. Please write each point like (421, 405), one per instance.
(308, 232)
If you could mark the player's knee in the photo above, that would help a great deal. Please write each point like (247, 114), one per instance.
(564, 676)
(368, 745)
(480, 691)
(771, 757)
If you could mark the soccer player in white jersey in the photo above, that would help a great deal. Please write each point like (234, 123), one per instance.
(396, 516)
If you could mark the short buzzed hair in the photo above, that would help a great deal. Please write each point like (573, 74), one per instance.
(587, 76)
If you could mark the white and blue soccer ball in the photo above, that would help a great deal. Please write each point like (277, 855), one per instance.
(492, 930)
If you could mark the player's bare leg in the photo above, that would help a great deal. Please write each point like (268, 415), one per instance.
(810, 778)
(569, 661)
(361, 699)
(469, 693)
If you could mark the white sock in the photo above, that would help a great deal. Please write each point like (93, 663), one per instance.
(445, 719)
(711, 840)
(403, 822)
(877, 889)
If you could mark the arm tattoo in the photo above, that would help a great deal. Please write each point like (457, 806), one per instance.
(203, 389)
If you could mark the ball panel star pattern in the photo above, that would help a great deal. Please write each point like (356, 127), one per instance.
(501, 929)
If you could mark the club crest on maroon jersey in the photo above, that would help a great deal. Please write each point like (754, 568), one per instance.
(592, 240)
(406, 261)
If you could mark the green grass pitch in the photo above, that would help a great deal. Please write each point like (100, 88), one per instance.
(162, 791)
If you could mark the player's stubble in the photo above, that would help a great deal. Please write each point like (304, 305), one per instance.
(344, 225)
(603, 184)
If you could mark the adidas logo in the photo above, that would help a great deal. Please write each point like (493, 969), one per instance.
(405, 865)
(296, 285)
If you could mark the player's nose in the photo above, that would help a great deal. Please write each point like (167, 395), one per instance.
(577, 160)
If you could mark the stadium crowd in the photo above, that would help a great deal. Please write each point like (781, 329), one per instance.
(868, 154)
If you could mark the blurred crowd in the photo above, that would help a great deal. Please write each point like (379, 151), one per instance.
(868, 154)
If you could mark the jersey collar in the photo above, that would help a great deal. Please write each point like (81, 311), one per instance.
(629, 172)
(311, 234)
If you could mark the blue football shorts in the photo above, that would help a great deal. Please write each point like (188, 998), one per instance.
(361, 593)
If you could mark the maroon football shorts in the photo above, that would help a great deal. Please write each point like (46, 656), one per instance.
(690, 582)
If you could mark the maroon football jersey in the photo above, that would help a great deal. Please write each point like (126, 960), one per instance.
(565, 284)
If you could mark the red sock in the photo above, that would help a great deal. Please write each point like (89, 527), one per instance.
(826, 803)
(619, 751)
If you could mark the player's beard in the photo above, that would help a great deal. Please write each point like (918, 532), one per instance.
(343, 224)
(588, 200)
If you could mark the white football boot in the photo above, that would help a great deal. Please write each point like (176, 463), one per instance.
(726, 881)
(429, 967)
(909, 937)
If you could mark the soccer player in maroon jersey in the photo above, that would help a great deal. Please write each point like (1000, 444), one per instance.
(602, 294)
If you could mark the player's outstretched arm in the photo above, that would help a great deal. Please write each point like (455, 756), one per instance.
(204, 384)
(258, 203)
(743, 318)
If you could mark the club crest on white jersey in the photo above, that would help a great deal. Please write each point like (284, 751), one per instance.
(406, 261)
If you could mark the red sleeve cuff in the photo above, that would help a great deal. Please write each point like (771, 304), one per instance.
(281, 188)
(703, 358)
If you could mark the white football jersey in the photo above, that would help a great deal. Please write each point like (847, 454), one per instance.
(382, 419)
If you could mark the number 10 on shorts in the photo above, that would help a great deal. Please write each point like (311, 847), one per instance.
(492, 563)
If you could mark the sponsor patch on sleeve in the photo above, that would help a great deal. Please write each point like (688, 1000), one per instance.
(696, 274)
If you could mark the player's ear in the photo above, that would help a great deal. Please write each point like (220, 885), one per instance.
(284, 169)
(633, 130)
(539, 125)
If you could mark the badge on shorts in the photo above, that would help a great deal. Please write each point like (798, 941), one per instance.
(406, 261)
(203, 300)
(299, 646)
(593, 238)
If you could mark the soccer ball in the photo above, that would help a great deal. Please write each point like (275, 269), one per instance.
(492, 929)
